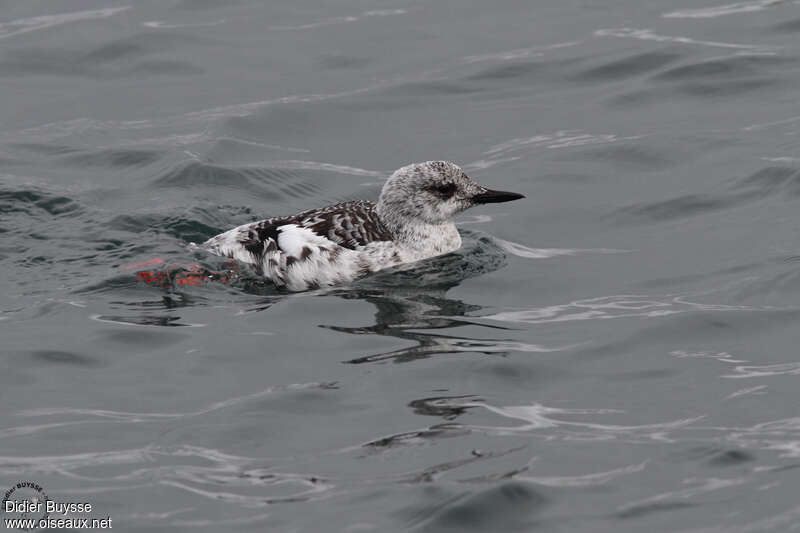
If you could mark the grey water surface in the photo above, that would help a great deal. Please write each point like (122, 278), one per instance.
(618, 352)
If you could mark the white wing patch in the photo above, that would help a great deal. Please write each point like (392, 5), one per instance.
(292, 239)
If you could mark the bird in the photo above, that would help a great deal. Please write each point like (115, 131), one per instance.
(412, 220)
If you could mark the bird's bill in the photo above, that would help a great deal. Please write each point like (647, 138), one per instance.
(492, 197)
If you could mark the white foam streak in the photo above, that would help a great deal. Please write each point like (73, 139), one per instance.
(84, 126)
(759, 389)
(765, 125)
(341, 20)
(521, 250)
(719, 11)
(519, 53)
(705, 485)
(560, 139)
(537, 416)
(320, 23)
(161, 25)
(512, 149)
(245, 109)
(128, 416)
(648, 35)
(724, 357)
(25, 25)
(384, 12)
(62, 463)
(781, 159)
(759, 371)
(587, 480)
(328, 167)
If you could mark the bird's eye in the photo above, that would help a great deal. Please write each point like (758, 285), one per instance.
(446, 190)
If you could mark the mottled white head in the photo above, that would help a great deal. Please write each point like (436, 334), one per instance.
(432, 193)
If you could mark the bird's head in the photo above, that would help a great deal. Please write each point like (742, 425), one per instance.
(433, 192)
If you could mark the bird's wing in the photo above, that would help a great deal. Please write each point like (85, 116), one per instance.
(277, 243)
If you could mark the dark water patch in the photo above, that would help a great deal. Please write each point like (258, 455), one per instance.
(731, 458)
(783, 283)
(63, 357)
(114, 158)
(145, 320)
(660, 373)
(279, 123)
(773, 179)
(710, 90)
(116, 51)
(639, 511)
(144, 338)
(526, 69)
(45, 148)
(166, 67)
(697, 278)
(6, 162)
(265, 183)
(790, 26)
(41, 61)
(763, 183)
(427, 345)
(681, 207)
(727, 68)
(427, 89)
(167, 301)
(510, 506)
(438, 431)
(715, 456)
(137, 46)
(509, 371)
(180, 227)
(197, 5)
(731, 88)
(697, 326)
(636, 157)
(198, 174)
(533, 71)
(115, 60)
(114, 284)
(731, 76)
(341, 61)
(107, 245)
(447, 407)
(620, 69)
(37, 203)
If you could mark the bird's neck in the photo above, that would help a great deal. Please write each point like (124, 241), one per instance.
(425, 238)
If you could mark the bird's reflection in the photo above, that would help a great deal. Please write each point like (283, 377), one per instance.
(414, 299)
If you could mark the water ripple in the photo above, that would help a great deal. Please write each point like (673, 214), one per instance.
(617, 306)
(131, 417)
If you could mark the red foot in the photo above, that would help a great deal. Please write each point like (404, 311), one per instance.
(177, 275)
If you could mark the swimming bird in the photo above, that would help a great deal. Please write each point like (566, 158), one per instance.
(411, 221)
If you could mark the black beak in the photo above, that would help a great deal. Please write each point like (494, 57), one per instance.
(493, 197)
